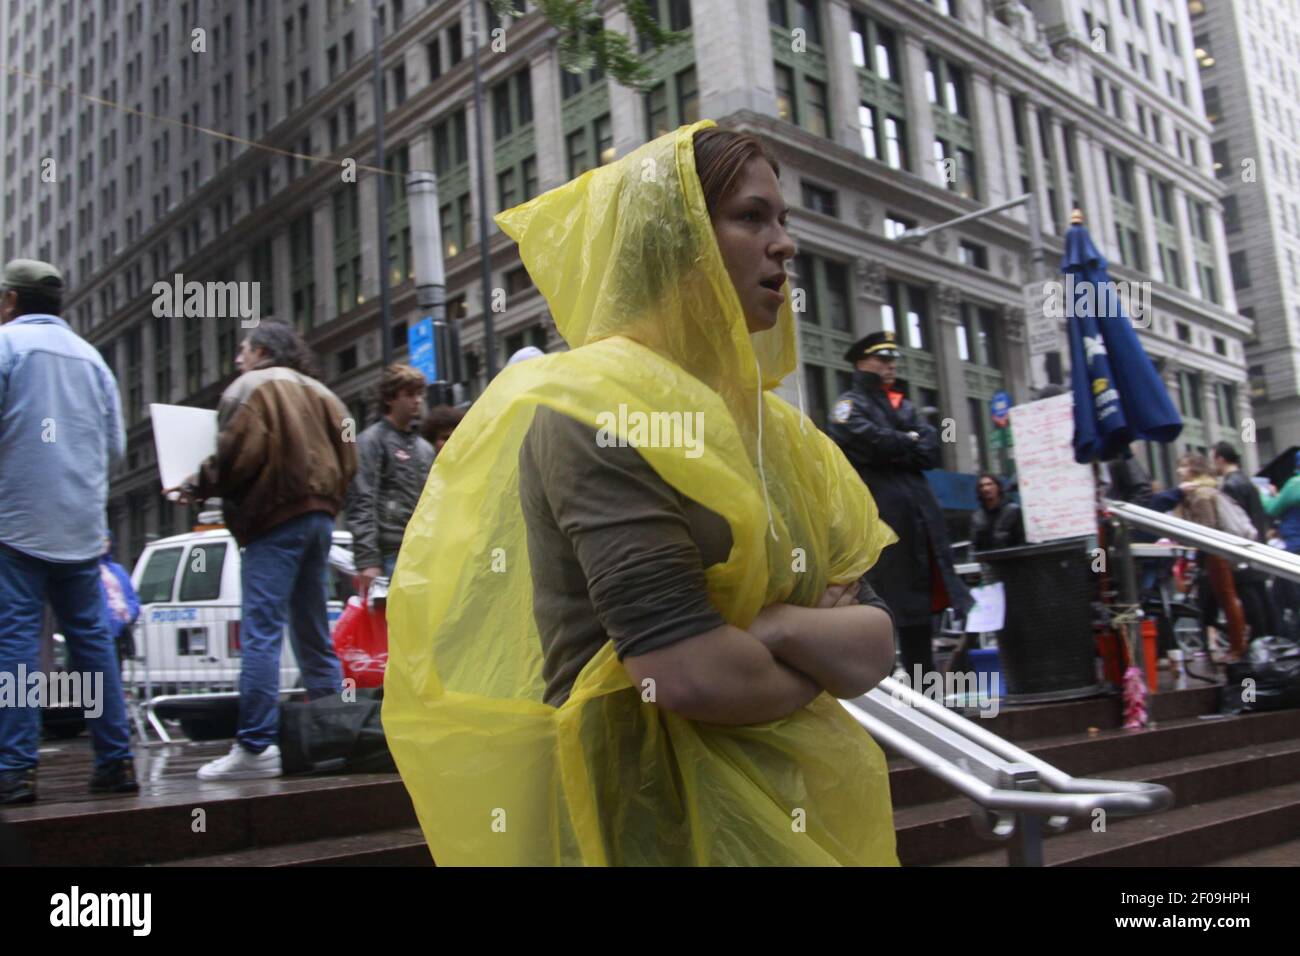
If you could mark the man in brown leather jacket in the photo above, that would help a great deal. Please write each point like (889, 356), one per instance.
(286, 452)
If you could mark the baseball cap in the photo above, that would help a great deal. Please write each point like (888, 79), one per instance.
(33, 275)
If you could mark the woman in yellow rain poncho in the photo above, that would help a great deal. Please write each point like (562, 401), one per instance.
(523, 740)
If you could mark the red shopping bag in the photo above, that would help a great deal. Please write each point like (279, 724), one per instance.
(361, 643)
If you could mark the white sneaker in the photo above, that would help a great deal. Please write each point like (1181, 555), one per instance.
(239, 764)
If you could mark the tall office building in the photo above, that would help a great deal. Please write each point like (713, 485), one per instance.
(885, 115)
(1249, 57)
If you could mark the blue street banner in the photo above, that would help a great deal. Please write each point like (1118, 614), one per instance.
(999, 408)
(424, 355)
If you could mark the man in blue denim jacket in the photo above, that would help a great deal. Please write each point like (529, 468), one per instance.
(60, 427)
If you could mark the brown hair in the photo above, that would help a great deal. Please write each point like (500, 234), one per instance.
(1195, 463)
(440, 419)
(397, 380)
(720, 155)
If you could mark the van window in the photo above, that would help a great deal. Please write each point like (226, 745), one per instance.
(191, 641)
(202, 578)
(159, 575)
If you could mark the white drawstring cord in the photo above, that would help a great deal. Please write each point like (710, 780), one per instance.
(762, 476)
(798, 373)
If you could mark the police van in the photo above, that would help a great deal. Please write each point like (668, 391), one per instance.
(187, 638)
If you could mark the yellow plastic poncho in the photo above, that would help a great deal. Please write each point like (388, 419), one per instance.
(627, 259)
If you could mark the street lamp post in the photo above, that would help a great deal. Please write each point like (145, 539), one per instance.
(485, 265)
(381, 191)
(431, 276)
(1037, 252)
(914, 237)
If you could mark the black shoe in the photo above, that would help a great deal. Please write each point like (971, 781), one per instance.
(116, 777)
(17, 786)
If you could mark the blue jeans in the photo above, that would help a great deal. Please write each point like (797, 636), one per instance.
(73, 590)
(284, 579)
(388, 562)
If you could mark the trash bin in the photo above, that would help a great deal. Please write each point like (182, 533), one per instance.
(1046, 645)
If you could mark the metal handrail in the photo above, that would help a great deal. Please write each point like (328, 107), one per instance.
(1004, 781)
(1258, 555)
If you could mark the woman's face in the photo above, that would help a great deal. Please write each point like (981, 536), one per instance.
(750, 227)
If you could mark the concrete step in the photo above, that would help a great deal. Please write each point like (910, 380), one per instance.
(166, 824)
(1283, 854)
(1029, 722)
(1098, 754)
(941, 831)
(404, 847)
(1186, 836)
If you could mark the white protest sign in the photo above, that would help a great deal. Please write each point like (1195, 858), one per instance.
(183, 437)
(990, 610)
(1057, 496)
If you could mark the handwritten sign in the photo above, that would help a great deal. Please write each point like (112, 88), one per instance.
(1057, 496)
(990, 610)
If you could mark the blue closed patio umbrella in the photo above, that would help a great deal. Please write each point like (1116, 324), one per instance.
(1119, 397)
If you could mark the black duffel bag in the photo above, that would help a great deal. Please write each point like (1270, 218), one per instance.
(333, 735)
(1272, 664)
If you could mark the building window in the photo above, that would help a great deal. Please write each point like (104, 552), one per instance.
(450, 147)
(162, 349)
(576, 144)
(1210, 284)
(837, 295)
(512, 104)
(433, 55)
(867, 125)
(506, 196)
(672, 103)
(896, 225)
(820, 200)
(1240, 267)
(688, 96)
(974, 255)
(807, 20)
(455, 43)
(825, 284)
(1189, 394)
(905, 313)
(530, 178)
(1219, 155)
(347, 359)
(1226, 401)
(1173, 266)
(657, 111)
(818, 115)
(785, 105)
(896, 143)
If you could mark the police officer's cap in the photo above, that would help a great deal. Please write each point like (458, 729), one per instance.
(882, 344)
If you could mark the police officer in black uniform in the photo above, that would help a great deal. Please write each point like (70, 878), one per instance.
(888, 443)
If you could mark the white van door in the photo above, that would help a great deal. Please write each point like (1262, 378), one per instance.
(208, 638)
(233, 591)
